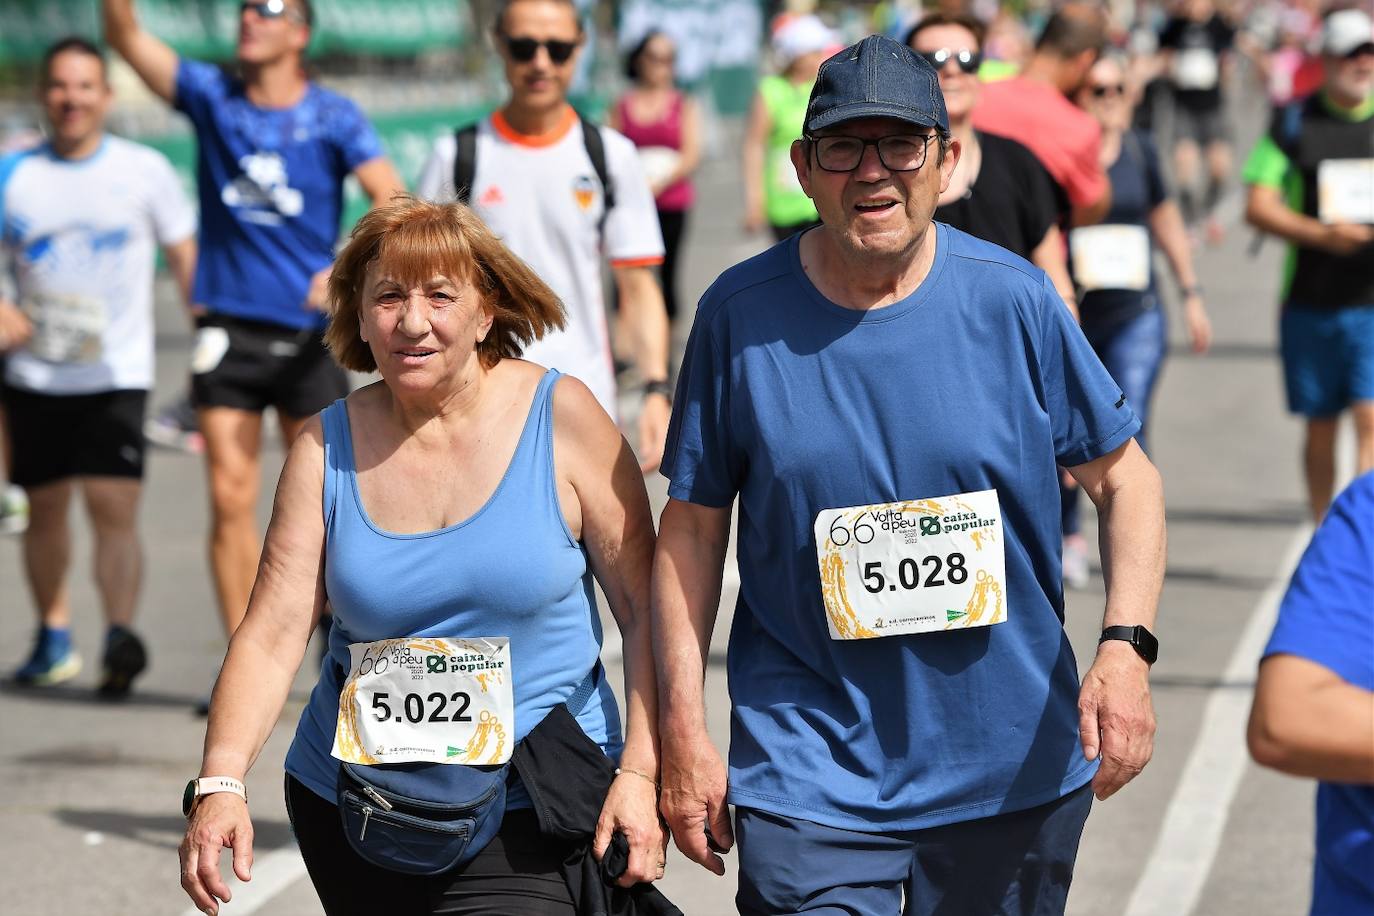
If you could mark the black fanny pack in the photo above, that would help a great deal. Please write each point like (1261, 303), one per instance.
(427, 818)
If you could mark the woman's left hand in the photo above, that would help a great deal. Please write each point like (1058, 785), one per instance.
(1199, 325)
(632, 809)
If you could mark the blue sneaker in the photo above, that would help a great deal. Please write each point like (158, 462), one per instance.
(52, 661)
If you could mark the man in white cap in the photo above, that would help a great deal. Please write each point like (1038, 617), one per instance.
(772, 194)
(1311, 182)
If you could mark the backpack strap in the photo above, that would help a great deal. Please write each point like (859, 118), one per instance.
(1289, 132)
(596, 152)
(464, 162)
(584, 691)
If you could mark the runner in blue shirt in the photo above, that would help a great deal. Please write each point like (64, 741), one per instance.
(887, 398)
(1314, 700)
(273, 151)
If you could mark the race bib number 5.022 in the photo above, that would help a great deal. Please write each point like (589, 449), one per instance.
(430, 700)
(915, 566)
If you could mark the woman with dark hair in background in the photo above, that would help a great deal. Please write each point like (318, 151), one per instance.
(665, 124)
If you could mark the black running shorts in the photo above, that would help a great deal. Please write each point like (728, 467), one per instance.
(75, 435)
(251, 365)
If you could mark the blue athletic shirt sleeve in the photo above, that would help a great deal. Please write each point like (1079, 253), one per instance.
(1156, 190)
(199, 86)
(1088, 412)
(701, 459)
(1327, 614)
(351, 133)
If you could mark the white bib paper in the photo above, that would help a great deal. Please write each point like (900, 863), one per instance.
(1111, 257)
(1345, 191)
(1196, 68)
(430, 700)
(67, 328)
(912, 567)
(785, 179)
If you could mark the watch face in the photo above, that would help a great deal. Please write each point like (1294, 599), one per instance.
(1146, 644)
(187, 798)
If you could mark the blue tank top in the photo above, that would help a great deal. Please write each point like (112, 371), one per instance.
(512, 569)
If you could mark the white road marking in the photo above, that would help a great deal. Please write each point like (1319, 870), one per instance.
(272, 874)
(1196, 817)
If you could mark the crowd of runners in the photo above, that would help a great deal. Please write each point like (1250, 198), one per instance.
(988, 186)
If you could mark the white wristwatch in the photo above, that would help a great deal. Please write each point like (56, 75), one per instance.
(209, 785)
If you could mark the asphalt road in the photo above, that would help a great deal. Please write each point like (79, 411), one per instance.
(91, 792)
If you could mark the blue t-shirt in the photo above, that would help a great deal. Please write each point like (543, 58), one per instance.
(271, 192)
(978, 380)
(1137, 188)
(1327, 617)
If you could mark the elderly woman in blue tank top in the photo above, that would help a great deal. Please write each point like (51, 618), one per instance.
(453, 515)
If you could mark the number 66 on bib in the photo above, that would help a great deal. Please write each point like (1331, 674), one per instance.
(915, 566)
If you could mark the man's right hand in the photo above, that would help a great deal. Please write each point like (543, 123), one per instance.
(15, 327)
(1347, 238)
(693, 799)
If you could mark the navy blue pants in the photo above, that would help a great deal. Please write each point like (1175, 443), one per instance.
(1017, 864)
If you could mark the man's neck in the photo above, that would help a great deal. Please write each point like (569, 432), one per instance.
(855, 281)
(1349, 105)
(962, 130)
(534, 122)
(1044, 68)
(280, 84)
(83, 148)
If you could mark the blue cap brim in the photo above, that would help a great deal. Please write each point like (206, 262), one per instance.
(865, 109)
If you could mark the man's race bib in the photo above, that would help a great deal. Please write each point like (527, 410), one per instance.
(1111, 257)
(427, 700)
(1196, 68)
(1345, 191)
(67, 328)
(912, 567)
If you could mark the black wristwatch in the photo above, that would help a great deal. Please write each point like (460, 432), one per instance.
(659, 386)
(1141, 640)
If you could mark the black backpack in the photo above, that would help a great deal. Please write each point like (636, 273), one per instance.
(465, 164)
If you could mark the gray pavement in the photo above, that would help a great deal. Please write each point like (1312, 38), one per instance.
(91, 801)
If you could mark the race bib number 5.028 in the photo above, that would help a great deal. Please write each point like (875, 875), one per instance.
(430, 700)
(915, 566)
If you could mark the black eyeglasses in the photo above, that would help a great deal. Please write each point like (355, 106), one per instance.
(900, 153)
(968, 61)
(1114, 89)
(524, 49)
(270, 9)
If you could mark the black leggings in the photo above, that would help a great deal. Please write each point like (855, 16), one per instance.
(672, 223)
(517, 874)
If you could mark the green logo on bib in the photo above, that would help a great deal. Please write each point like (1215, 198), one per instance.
(930, 524)
(951, 615)
(435, 664)
(454, 751)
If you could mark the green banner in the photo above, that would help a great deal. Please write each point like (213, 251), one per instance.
(208, 29)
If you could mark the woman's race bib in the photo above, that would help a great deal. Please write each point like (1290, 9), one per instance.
(1345, 191)
(912, 567)
(67, 328)
(1110, 257)
(427, 700)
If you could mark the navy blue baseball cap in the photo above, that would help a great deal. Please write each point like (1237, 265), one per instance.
(876, 78)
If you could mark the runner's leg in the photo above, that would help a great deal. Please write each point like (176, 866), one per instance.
(112, 504)
(1363, 413)
(48, 551)
(1319, 463)
(233, 439)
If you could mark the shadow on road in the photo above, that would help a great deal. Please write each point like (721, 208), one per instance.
(68, 693)
(162, 830)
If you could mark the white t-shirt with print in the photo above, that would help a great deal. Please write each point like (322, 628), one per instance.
(541, 196)
(80, 237)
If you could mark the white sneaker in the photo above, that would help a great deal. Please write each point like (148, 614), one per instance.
(1076, 573)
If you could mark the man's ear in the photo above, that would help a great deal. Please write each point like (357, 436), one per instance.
(802, 163)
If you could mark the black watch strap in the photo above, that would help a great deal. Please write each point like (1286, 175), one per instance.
(1141, 639)
(659, 386)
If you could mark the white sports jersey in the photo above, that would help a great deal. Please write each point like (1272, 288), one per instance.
(80, 237)
(542, 197)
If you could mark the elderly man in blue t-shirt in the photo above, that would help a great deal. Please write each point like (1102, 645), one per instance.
(887, 398)
(1314, 700)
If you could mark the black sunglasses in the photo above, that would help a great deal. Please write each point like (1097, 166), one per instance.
(269, 9)
(1104, 91)
(968, 61)
(524, 49)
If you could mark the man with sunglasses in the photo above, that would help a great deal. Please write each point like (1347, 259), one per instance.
(1001, 193)
(1034, 109)
(534, 181)
(887, 398)
(273, 151)
(1311, 182)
